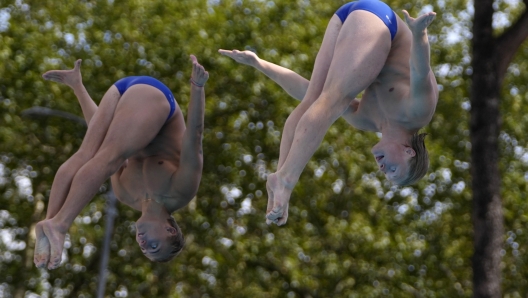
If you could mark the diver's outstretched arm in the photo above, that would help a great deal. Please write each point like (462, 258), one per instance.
(424, 90)
(73, 79)
(187, 178)
(293, 83)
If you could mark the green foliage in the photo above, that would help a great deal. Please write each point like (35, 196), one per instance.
(350, 233)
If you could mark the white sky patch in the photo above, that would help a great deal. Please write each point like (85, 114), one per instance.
(500, 17)
(3, 180)
(108, 38)
(440, 207)
(22, 5)
(7, 237)
(209, 278)
(466, 105)
(24, 186)
(69, 38)
(445, 173)
(500, 20)
(402, 209)
(427, 8)
(470, 8)
(213, 2)
(246, 207)
(524, 158)
(434, 213)
(247, 158)
(442, 70)
(240, 230)
(208, 261)
(88, 250)
(458, 187)
(460, 29)
(406, 191)
(319, 171)
(226, 242)
(518, 150)
(5, 15)
(453, 37)
(262, 170)
(372, 181)
(337, 186)
(270, 237)
(230, 193)
(53, 61)
(122, 292)
(521, 154)
(82, 38)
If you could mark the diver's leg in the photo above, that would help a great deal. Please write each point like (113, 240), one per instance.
(135, 124)
(362, 47)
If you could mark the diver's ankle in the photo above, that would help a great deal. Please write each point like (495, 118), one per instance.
(286, 180)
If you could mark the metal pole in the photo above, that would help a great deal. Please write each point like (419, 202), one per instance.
(111, 213)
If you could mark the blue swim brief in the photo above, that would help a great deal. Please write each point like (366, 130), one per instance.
(125, 83)
(380, 9)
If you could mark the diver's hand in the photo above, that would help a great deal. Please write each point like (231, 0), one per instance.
(199, 74)
(71, 77)
(242, 57)
(420, 24)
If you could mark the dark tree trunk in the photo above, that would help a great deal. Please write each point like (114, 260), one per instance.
(491, 56)
(485, 127)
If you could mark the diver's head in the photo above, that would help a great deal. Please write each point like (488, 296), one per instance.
(160, 239)
(402, 164)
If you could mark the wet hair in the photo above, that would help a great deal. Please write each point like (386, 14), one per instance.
(418, 164)
(176, 242)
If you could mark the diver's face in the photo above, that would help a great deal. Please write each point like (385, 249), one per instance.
(152, 238)
(393, 160)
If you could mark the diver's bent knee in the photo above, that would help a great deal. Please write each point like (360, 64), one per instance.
(82, 155)
(108, 163)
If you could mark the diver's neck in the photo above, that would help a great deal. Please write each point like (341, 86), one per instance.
(152, 206)
(396, 134)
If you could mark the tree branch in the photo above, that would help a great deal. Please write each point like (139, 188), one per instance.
(510, 41)
(47, 112)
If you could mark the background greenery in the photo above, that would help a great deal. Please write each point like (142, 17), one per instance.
(350, 233)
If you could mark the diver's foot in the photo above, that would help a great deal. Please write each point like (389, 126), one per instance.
(242, 57)
(280, 191)
(71, 77)
(42, 247)
(56, 235)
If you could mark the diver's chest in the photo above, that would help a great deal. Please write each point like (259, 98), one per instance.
(149, 174)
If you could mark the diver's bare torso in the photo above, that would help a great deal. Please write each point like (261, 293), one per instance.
(385, 99)
(149, 171)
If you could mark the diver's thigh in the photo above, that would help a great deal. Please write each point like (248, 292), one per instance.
(100, 123)
(323, 61)
(140, 115)
(361, 50)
